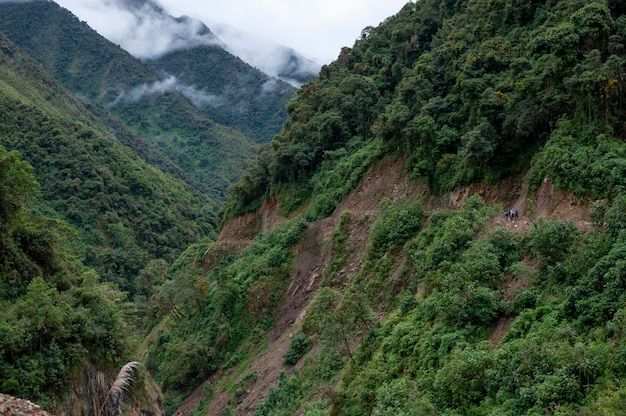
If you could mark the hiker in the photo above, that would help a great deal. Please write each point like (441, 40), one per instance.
(516, 214)
(507, 215)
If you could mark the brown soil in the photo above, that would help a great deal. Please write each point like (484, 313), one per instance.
(387, 179)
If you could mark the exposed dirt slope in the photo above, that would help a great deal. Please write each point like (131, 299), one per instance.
(386, 179)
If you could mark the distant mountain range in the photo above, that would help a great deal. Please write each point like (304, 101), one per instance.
(199, 105)
(147, 30)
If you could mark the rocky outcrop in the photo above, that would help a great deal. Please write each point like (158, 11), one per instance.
(12, 406)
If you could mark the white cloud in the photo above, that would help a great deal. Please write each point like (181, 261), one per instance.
(261, 53)
(198, 97)
(317, 29)
(145, 33)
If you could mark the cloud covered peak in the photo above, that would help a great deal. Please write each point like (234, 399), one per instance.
(142, 27)
(273, 59)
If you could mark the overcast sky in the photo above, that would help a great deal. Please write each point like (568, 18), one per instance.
(318, 29)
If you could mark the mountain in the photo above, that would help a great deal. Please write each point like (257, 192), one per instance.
(223, 86)
(273, 59)
(153, 105)
(126, 211)
(364, 264)
(78, 211)
(227, 90)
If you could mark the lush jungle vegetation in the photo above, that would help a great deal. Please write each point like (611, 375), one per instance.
(445, 313)
(56, 313)
(467, 91)
(126, 211)
(210, 320)
(434, 352)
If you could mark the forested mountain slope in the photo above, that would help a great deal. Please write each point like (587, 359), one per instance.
(127, 212)
(373, 281)
(64, 333)
(155, 105)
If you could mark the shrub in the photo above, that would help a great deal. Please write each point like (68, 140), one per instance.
(398, 222)
(297, 348)
(551, 241)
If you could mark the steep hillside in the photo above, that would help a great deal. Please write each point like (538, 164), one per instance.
(155, 106)
(333, 252)
(64, 333)
(470, 91)
(365, 266)
(127, 212)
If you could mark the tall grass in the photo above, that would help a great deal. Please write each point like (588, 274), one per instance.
(123, 379)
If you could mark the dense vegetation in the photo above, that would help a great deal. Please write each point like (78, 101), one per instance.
(437, 352)
(56, 314)
(445, 313)
(468, 91)
(465, 91)
(210, 315)
(126, 211)
(228, 90)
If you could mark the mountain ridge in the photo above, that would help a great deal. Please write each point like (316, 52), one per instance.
(155, 107)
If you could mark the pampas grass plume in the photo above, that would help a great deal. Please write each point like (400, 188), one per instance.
(123, 379)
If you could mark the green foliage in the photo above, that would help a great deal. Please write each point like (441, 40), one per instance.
(398, 397)
(434, 355)
(446, 314)
(551, 241)
(472, 319)
(297, 348)
(345, 168)
(461, 380)
(212, 313)
(472, 91)
(588, 163)
(56, 314)
(282, 400)
(336, 318)
(17, 185)
(126, 211)
(397, 223)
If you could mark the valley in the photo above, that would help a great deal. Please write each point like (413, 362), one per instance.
(183, 234)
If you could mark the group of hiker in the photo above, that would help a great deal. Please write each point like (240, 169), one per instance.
(511, 215)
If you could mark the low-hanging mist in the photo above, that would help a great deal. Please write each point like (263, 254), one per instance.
(142, 27)
(171, 83)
